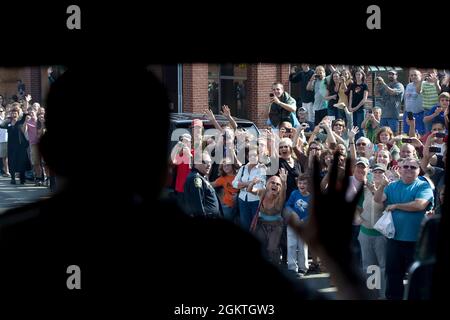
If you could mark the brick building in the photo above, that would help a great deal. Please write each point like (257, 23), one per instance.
(244, 88)
(34, 78)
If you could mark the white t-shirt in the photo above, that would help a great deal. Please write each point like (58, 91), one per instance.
(3, 133)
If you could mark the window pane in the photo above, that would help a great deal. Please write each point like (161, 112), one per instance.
(213, 95)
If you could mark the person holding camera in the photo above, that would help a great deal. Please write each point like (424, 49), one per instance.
(371, 122)
(318, 85)
(282, 107)
(391, 98)
(414, 102)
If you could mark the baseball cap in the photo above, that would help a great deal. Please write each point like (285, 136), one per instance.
(186, 136)
(379, 166)
(362, 160)
(392, 71)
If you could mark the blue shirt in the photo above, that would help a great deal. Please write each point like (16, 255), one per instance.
(407, 223)
(439, 117)
(299, 204)
(413, 100)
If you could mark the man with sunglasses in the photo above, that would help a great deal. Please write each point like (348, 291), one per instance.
(408, 199)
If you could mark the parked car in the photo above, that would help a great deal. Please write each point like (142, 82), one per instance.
(181, 123)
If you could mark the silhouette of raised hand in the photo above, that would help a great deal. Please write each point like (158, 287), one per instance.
(328, 230)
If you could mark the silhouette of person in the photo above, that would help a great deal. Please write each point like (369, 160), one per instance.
(128, 242)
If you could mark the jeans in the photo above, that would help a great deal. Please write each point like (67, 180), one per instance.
(391, 123)
(420, 127)
(310, 111)
(336, 112)
(247, 210)
(356, 247)
(297, 252)
(228, 212)
(358, 118)
(399, 257)
(373, 252)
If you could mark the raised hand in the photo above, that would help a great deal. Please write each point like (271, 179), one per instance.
(209, 114)
(283, 175)
(226, 111)
(352, 133)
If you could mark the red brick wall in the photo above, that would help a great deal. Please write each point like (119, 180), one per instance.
(260, 78)
(195, 87)
(32, 77)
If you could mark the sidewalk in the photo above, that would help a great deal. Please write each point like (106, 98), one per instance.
(12, 196)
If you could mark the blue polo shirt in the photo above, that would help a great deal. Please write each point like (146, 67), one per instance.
(407, 223)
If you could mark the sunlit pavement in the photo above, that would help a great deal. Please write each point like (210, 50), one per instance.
(12, 196)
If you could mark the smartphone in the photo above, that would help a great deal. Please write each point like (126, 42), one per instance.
(410, 116)
(369, 177)
(434, 149)
(271, 95)
(440, 135)
(406, 140)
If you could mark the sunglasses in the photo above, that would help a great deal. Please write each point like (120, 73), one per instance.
(410, 167)
(361, 144)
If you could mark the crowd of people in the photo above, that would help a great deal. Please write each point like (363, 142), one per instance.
(22, 123)
(263, 181)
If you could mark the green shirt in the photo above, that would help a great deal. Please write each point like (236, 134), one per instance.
(429, 95)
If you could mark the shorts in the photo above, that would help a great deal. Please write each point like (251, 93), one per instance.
(3, 149)
(35, 154)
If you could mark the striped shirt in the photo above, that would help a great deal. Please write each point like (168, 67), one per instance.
(429, 95)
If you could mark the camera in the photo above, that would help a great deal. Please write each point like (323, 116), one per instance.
(406, 140)
(271, 95)
(288, 130)
(434, 149)
(410, 115)
(369, 111)
(440, 135)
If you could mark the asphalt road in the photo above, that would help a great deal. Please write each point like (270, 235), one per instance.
(16, 195)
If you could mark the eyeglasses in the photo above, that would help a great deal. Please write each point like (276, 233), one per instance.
(361, 144)
(410, 167)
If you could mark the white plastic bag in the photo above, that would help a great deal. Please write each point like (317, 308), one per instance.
(385, 225)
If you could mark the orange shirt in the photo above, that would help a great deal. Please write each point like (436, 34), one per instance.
(228, 189)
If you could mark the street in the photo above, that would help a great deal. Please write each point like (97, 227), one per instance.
(12, 196)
